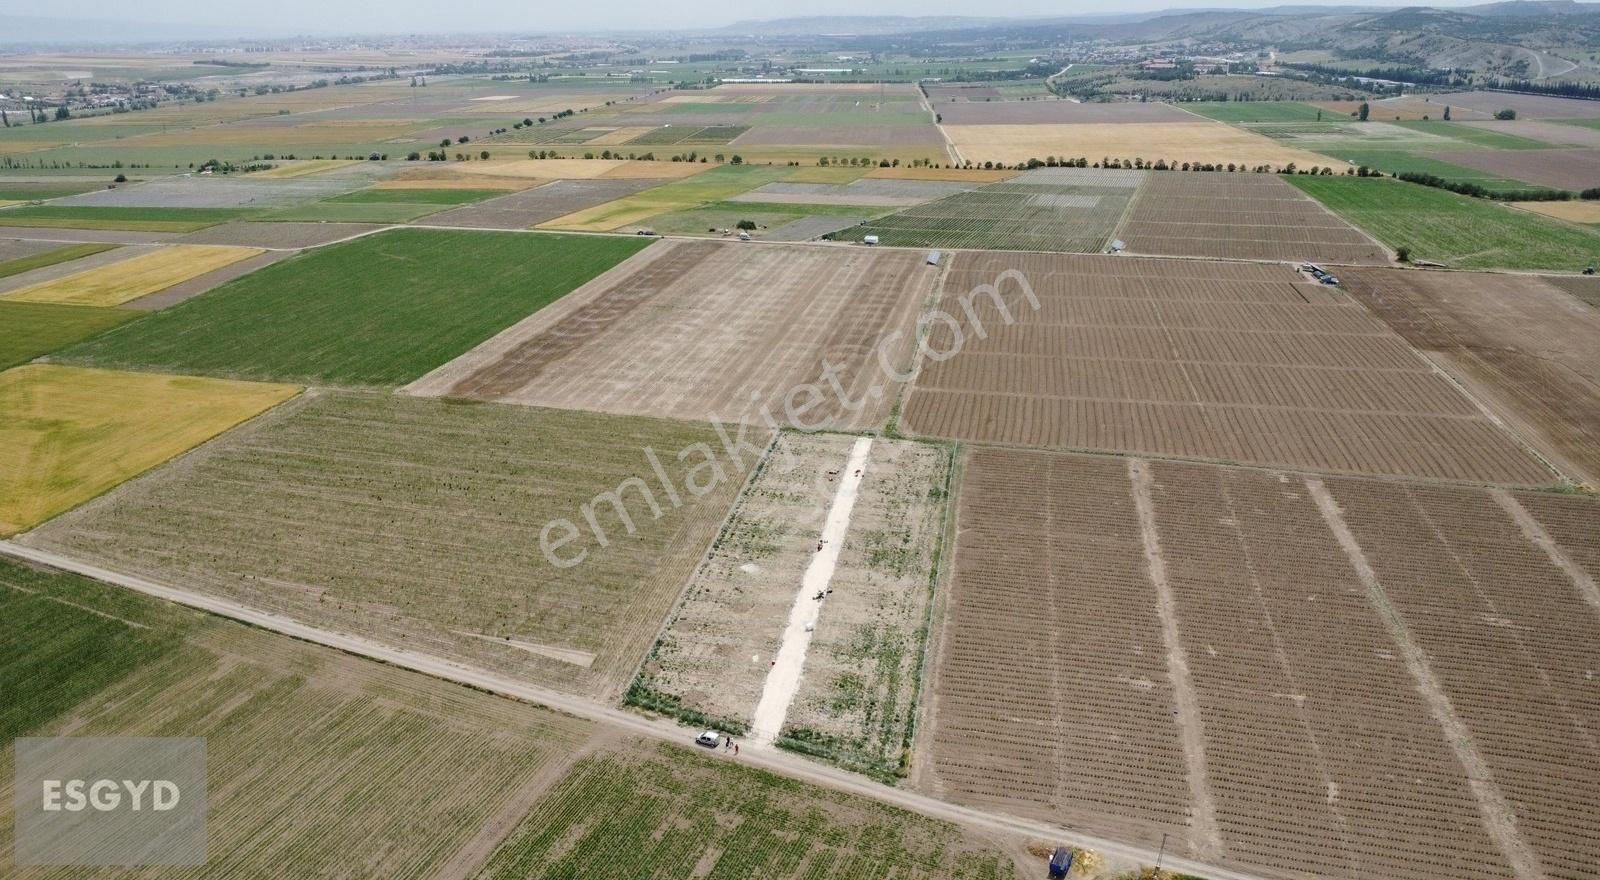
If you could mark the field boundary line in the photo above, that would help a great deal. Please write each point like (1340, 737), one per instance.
(666, 730)
(1203, 819)
(1499, 819)
(940, 585)
(1536, 533)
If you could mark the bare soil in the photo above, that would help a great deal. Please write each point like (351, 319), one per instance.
(1574, 170)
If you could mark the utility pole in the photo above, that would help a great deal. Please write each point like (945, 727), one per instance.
(1161, 854)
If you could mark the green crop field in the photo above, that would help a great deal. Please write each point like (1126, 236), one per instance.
(24, 191)
(64, 639)
(34, 329)
(379, 310)
(50, 258)
(1460, 231)
(666, 815)
(354, 212)
(309, 752)
(1400, 161)
(1258, 111)
(1477, 137)
(1067, 217)
(136, 219)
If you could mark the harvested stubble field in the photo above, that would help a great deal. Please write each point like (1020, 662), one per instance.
(1587, 213)
(1057, 209)
(638, 807)
(1553, 133)
(1056, 113)
(1219, 361)
(1464, 232)
(419, 523)
(1574, 170)
(308, 750)
(1353, 679)
(1198, 140)
(862, 671)
(1520, 344)
(133, 277)
(692, 329)
(379, 310)
(71, 434)
(1242, 217)
(531, 207)
(34, 329)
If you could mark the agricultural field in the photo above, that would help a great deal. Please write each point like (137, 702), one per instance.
(1194, 141)
(861, 192)
(308, 750)
(131, 219)
(1257, 111)
(1049, 209)
(1527, 106)
(17, 257)
(310, 514)
(530, 207)
(278, 235)
(1239, 216)
(1554, 134)
(1056, 112)
(1463, 232)
(858, 687)
(733, 330)
(34, 329)
(1226, 362)
(1192, 690)
(715, 185)
(689, 817)
(134, 277)
(775, 221)
(1584, 288)
(72, 434)
(1574, 170)
(379, 310)
(1517, 341)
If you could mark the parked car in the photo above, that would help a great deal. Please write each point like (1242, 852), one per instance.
(708, 738)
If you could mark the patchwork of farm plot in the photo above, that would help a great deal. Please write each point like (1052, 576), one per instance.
(428, 525)
(1101, 678)
(742, 332)
(1237, 216)
(1051, 209)
(1228, 362)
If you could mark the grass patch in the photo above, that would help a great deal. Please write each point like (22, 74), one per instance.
(1258, 111)
(379, 310)
(75, 433)
(1460, 231)
(132, 219)
(1400, 161)
(27, 192)
(134, 277)
(51, 258)
(34, 329)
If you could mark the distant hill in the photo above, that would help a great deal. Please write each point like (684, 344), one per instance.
(857, 24)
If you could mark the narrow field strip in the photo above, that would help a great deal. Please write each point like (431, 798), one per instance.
(784, 679)
(1499, 818)
(132, 278)
(1203, 813)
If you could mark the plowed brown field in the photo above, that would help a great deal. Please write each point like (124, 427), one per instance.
(1240, 216)
(693, 329)
(1382, 681)
(1519, 342)
(1218, 361)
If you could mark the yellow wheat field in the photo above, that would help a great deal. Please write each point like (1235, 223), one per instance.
(1573, 212)
(72, 433)
(620, 135)
(1198, 141)
(301, 168)
(129, 279)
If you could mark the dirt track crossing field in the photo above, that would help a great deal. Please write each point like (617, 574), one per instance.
(1240, 216)
(418, 523)
(1517, 341)
(691, 329)
(1218, 361)
(1321, 754)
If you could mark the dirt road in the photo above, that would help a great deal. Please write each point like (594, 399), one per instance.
(769, 759)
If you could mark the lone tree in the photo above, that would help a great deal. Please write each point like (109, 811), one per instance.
(1506, 114)
(747, 225)
(1447, 114)
(1364, 110)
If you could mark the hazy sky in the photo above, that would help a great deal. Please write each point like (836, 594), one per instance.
(322, 16)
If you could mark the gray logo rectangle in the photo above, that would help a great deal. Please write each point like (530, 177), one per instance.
(110, 801)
